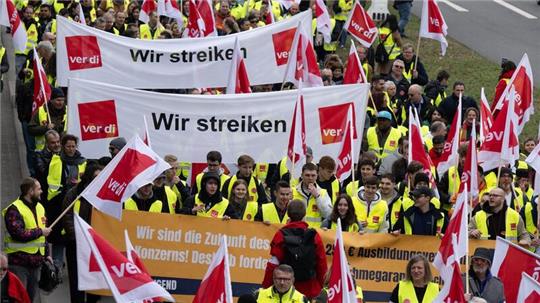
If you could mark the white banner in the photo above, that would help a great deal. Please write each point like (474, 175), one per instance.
(87, 53)
(189, 126)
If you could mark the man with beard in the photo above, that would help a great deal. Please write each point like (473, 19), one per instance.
(44, 156)
(481, 283)
(57, 113)
(25, 242)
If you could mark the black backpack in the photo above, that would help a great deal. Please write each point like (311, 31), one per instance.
(299, 245)
(50, 276)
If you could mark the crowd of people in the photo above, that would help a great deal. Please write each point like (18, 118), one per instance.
(387, 194)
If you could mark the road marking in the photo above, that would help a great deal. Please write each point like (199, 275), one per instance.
(515, 9)
(454, 6)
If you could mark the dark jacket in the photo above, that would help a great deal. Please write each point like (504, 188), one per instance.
(424, 110)
(402, 87)
(35, 128)
(85, 212)
(414, 213)
(433, 89)
(208, 199)
(422, 78)
(492, 290)
(449, 106)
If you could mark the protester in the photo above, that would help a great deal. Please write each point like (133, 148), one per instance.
(383, 138)
(371, 210)
(397, 76)
(436, 89)
(319, 204)
(481, 283)
(116, 145)
(43, 158)
(413, 71)
(12, 289)
(449, 105)
(417, 286)
(25, 242)
(276, 212)
(208, 202)
(282, 287)
(56, 111)
(256, 191)
(213, 161)
(238, 203)
(310, 266)
(327, 179)
(178, 186)
(166, 195)
(344, 210)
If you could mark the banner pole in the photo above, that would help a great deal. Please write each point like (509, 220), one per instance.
(467, 287)
(64, 212)
(417, 52)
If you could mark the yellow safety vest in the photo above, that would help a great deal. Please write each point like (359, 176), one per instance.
(32, 38)
(222, 179)
(54, 177)
(42, 117)
(346, 7)
(267, 295)
(376, 216)
(252, 188)
(184, 170)
(2, 52)
(270, 214)
(172, 198)
(156, 206)
(408, 228)
(217, 211)
(408, 74)
(453, 183)
(313, 216)
(30, 247)
(440, 98)
(352, 188)
(251, 211)
(394, 213)
(261, 171)
(391, 47)
(276, 9)
(365, 66)
(530, 223)
(352, 228)
(146, 33)
(178, 194)
(512, 220)
(407, 294)
(390, 145)
(335, 190)
(283, 169)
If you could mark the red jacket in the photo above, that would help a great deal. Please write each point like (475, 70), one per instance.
(499, 89)
(16, 290)
(310, 288)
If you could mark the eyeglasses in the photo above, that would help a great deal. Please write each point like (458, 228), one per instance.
(399, 66)
(495, 195)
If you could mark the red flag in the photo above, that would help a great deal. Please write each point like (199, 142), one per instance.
(238, 77)
(9, 17)
(196, 26)
(270, 18)
(323, 20)
(302, 63)
(340, 286)
(354, 72)
(416, 148)
(432, 24)
(452, 291)
(509, 262)
(170, 9)
(520, 91)
(469, 177)
(135, 166)
(360, 25)
(125, 279)
(450, 155)
(42, 89)
(216, 284)
(486, 118)
(529, 289)
(297, 148)
(207, 14)
(501, 145)
(345, 158)
(147, 7)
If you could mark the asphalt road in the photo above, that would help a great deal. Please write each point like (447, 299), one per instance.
(494, 29)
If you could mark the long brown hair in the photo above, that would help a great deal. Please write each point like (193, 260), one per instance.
(232, 196)
(350, 216)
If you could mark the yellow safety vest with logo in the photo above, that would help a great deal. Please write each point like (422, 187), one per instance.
(376, 216)
(42, 117)
(172, 198)
(252, 188)
(313, 216)
(352, 228)
(146, 33)
(390, 145)
(156, 206)
(530, 223)
(407, 294)
(408, 228)
(261, 171)
(408, 74)
(512, 220)
(31, 40)
(453, 183)
(270, 214)
(30, 247)
(346, 7)
(251, 211)
(408, 202)
(217, 211)
(391, 47)
(267, 295)
(394, 213)
(54, 177)
(222, 179)
(329, 47)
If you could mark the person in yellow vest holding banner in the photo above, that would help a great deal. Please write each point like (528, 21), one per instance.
(276, 213)
(240, 207)
(383, 139)
(208, 202)
(84, 209)
(24, 241)
(282, 289)
(496, 219)
(213, 160)
(421, 218)
(144, 199)
(370, 209)
(56, 110)
(166, 195)
(319, 204)
(417, 286)
(388, 192)
(152, 29)
(344, 210)
(256, 191)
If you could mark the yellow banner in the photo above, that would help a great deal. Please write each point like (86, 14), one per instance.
(177, 250)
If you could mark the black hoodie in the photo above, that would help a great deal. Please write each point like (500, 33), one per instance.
(203, 195)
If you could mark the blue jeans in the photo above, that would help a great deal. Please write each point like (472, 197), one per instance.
(404, 9)
(30, 143)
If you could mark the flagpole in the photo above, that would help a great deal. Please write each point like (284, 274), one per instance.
(64, 212)
(352, 130)
(417, 52)
(372, 101)
(467, 287)
(41, 87)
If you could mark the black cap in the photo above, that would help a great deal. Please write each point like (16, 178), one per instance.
(57, 93)
(422, 191)
(483, 253)
(421, 177)
(210, 175)
(506, 171)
